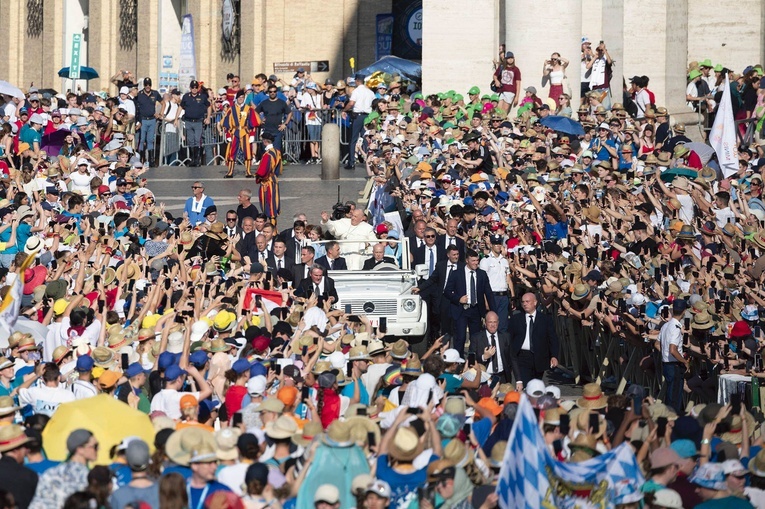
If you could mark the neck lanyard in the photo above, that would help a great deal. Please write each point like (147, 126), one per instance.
(201, 501)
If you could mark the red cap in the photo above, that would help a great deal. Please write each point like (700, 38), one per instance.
(740, 328)
(260, 344)
(380, 229)
(103, 189)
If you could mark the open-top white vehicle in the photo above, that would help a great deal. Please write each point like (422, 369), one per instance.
(385, 291)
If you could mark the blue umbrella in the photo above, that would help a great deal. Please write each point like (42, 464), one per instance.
(86, 73)
(563, 125)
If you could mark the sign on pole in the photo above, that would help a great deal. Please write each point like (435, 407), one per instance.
(74, 65)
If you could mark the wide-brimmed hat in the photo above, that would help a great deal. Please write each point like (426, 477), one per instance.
(686, 232)
(27, 343)
(360, 427)
(400, 349)
(663, 159)
(580, 292)
(405, 445)
(583, 447)
(338, 434)
(216, 345)
(311, 430)
(592, 397)
(7, 406)
(216, 231)
(413, 366)
(129, 270)
(102, 356)
(376, 347)
(283, 427)
(702, 321)
(12, 436)
(185, 443)
(757, 464)
(358, 353)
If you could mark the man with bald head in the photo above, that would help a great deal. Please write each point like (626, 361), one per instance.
(378, 257)
(533, 339)
(492, 349)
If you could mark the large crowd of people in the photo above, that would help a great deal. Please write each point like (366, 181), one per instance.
(217, 330)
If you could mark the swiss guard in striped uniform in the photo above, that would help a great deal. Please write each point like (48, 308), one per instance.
(267, 176)
(239, 122)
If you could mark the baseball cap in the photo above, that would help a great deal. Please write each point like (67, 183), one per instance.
(379, 488)
(124, 90)
(664, 456)
(137, 455)
(188, 401)
(684, 448)
(174, 372)
(134, 369)
(85, 364)
(535, 388)
(509, 54)
(327, 492)
(256, 386)
(452, 356)
(293, 372)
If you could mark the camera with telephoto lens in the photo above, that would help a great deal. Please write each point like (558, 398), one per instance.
(340, 210)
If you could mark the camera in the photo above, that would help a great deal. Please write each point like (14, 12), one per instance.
(339, 211)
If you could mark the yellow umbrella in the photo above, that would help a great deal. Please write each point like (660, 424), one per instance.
(110, 420)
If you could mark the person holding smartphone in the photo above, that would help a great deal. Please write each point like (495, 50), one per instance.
(674, 365)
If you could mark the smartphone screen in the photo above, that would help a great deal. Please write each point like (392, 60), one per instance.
(637, 405)
(735, 403)
(125, 359)
(96, 279)
(383, 326)
(466, 429)
(236, 419)
(413, 410)
(277, 369)
(594, 422)
(304, 393)
(471, 358)
(564, 424)
(349, 370)
(661, 427)
(371, 439)
(557, 447)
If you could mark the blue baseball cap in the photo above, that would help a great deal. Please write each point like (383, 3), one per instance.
(167, 359)
(258, 369)
(198, 358)
(241, 366)
(174, 372)
(85, 364)
(134, 370)
(684, 448)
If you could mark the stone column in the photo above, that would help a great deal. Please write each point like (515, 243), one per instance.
(104, 42)
(613, 36)
(452, 60)
(533, 40)
(658, 48)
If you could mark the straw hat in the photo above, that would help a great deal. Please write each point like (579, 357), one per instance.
(102, 356)
(7, 407)
(400, 349)
(456, 452)
(580, 292)
(283, 427)
(129, 270)
(27, 343)
(184, 443)
(405, 445)
(702, 321)
(216, 345)
(583, 447)
(757, 464)
(310, 431)
(12, 436)
(360, 427)
(687, 232)
(216, 231)
(358, 353)
(413, 366)
(338, 434)
(592, 397)
(497, 454)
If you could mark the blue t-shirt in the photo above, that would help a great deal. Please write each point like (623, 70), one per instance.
(41, 466)
(482, 429)
(197, 496)
(23, 232)
(363, 395)
(401, 485)
(30, 135)
(556, 231)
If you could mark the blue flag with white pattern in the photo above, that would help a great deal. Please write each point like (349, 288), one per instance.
(530, 477)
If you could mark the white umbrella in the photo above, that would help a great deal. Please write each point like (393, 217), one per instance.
(704, 151)
(27, 326)
(11, 90)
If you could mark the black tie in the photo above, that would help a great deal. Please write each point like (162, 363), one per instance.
(531, 327)
(263, 254)
(473, 299)
(280, 264)
(448, 273)
(494, 362)
(331, 264)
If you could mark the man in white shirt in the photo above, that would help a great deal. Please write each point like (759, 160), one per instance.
(47, 398)
(126, 101)
(82, 388)
(168, 400)
(496, 267)
(359, 106)
(353, 228)
(674, 365)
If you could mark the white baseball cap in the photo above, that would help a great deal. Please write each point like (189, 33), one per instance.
(452, 356)
(256, 386)
(535, 388)
(667, 498)
(124, 90)
(554, 390)
(327, 493)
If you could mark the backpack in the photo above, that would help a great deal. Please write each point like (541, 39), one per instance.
(653, 98)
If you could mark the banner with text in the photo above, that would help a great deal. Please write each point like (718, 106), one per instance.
(384, 29)
(407, 29)
(187, 67)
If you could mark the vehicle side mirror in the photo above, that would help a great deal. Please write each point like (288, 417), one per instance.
(421, 270)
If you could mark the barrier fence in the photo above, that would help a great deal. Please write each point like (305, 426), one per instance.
(173, 146)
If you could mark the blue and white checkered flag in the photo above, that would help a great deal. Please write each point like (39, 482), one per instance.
(531, 477)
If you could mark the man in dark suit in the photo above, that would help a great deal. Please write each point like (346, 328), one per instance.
(378, 257)
(298, 222)
(427, 253)
(332, 260)
(278, 258)
(448, 239)
(432, 291)
(533, 340)
(294, 239)
(302, 270)
(471, 298)
(231, 228)
(492, 349)
(317, 283)
(417, 228)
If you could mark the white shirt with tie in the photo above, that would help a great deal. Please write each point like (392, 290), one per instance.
(527, 340)
(331, 263)
(450, 267)
(430, 258)
(467, 286)
(490, 366)
(280, 262)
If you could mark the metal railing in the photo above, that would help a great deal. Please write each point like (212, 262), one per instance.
(173, 146)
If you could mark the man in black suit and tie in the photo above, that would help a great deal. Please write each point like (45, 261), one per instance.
(231, 228)
(492, 349)
(534, 340)
(278, 259)
(317, 283)
(332, 260)
(378, 257)
(471, 298)
(448, 239)
(294, 239)
(302, 270)
(427, 253)
(432, 291)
